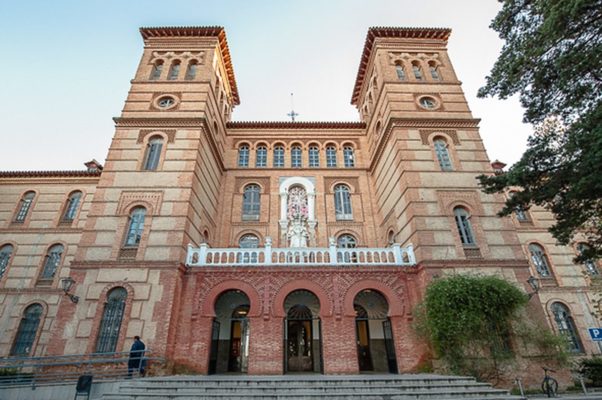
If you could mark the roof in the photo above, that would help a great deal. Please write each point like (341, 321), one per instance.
(49, 174)
(199, 31)
(391, 32)
(295, 125)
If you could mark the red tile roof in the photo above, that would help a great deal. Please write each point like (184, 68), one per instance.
(295, 125)
(389, 32)
(191, 31)
(48, 174)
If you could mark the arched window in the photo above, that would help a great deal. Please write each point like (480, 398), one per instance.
(110, 325)
(156, 71)
(27, 331)
(153, 153)
(391, 238)
(191, 70)
(135, 227)
(331, 157)
(261, 159)
(442, 154)
(174, 71)
(52, 261)
(519, 211)
(417, 71)
(24, 206)
(591, 265)
(566, 327)
(6, 252)
(251, 202)
(539, 259)
(72, 206)
(342, 202)
(401, 73)
(248, 241)
(314, 156)
(243, 156)
(464, 227)
(296, 157)
(434, 71)
(346, 242)
(279, 156)
(348, 157)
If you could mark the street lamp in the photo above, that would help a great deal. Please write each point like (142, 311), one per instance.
(534, 283)
(66, 284)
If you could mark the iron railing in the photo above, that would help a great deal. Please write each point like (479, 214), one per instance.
(34, 371)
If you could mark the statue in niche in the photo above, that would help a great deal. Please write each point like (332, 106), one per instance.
(297, 233)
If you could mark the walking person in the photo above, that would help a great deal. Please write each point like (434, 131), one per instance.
(136, 360)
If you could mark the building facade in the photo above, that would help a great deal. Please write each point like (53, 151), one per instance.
(271, 247)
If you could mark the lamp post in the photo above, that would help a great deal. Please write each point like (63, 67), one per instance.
(66, 284)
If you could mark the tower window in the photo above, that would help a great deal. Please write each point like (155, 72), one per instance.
(243, 156)
(156, 70)
(251, 202)
(331, 157)
(417, 71)
(346, 242)
(428, 103)
(566, 327)
(24, 206)
(52, 261)
(296, 157)
(540, 260)
(174, 71)
(27, 331)
(591, 266)
(401, 74)
(279, 156)
(348, 157)
(261, 159)
(72, 206)
(5, 253)
(434, 71)
(442, 154)
(153, 153)
(135, 227)
(464, 226)
(191, 70)
(342, 203)
(110, 325)
(314, 156)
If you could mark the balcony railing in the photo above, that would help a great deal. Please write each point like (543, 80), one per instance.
(204, 256)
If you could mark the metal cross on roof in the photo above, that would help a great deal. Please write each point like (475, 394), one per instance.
(292, 114)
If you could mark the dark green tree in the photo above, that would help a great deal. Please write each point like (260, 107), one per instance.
(552, 58)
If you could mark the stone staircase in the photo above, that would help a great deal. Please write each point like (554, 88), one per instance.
(310, 387)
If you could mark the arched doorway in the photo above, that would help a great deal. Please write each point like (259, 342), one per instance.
(374, 336)
(302, 333)
(230, 334)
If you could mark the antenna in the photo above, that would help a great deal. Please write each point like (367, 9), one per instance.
(292, 114)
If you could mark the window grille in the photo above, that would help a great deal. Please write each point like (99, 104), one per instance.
(590, 265)
(5, 253)
(539, 259)
(153, 153)
(279, 156)
(24, 206)
(314, 156)
(156, 71)
(443, 155)
(262, 157)
(296, 157)
(342, 203)
(434, 72)
(251, 202)
(464, 226)
(566, 327)
(110, 325)
(417, 72)
(348, 157)
(401, 74)
(52, 261)
(72, 206)
(135, 227)
(243, 156)
(27, 331)
(174, 71)
(331, 157)
(191, 70)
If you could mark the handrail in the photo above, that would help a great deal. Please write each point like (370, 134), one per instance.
(204, 256)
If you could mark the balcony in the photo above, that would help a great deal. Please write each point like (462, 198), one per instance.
(204, 256)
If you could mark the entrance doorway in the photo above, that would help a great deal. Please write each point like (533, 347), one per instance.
(302, 344)
(374, 336)
(230, 334)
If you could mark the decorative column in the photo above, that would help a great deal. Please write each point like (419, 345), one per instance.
(283, 221)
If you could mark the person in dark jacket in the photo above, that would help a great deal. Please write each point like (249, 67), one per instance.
(136, 360)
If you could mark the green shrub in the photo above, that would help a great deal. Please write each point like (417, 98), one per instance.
(591, 369)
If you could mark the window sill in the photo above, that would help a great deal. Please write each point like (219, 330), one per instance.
(250, 217)
(344, 218)
(128, 253)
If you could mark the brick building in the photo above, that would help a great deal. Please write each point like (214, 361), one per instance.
(271, 247)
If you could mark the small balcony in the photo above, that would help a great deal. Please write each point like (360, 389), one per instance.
(204, 256)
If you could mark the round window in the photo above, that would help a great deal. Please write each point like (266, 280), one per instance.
(428, 102)
(166, 102)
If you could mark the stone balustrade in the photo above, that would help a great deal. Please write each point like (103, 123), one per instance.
(204, 256)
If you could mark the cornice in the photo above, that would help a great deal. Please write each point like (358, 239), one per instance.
(295, 125)
(198, 31)
(431, 123)
(441, 34)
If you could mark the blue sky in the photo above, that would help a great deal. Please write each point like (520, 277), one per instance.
(67, 65)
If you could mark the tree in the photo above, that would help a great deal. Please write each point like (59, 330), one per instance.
(552, 58)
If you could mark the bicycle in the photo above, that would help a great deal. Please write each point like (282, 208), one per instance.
(549, 385)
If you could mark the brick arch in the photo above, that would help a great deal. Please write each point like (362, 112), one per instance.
(396, 306)
(207, 305)
(326, 305)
